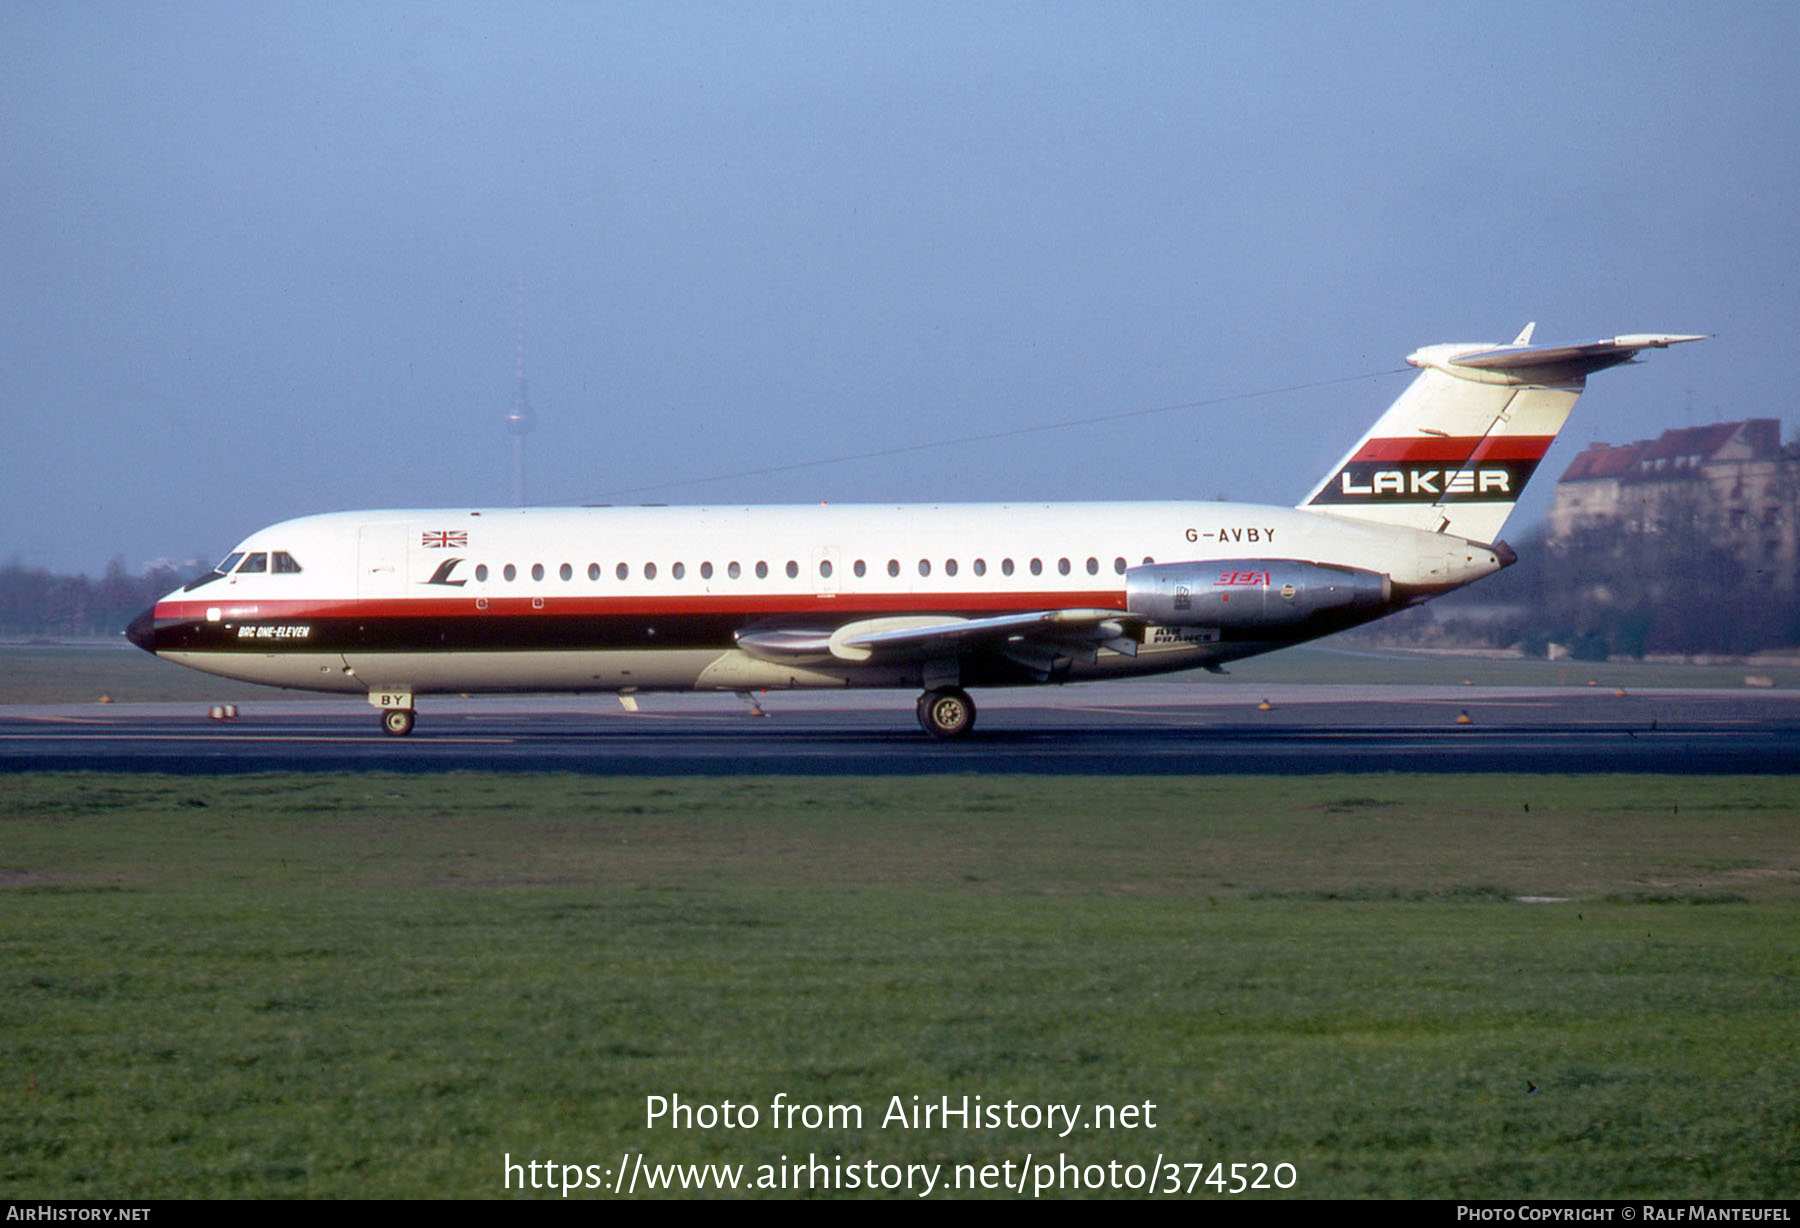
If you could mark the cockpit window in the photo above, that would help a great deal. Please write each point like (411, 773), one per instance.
(223, 569)
(257, 562)
(285, 565)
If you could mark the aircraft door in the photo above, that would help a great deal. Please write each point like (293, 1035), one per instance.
(381, 558)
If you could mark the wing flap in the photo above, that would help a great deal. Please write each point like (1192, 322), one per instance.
(950, 636)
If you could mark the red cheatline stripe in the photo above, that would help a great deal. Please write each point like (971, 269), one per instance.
(839, 606)
(1456, 450)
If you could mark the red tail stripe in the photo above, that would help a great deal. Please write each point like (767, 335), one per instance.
(1446, 450)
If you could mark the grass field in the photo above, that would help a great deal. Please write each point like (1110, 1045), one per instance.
(383, 986)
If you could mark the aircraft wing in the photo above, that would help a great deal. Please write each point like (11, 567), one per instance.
(956, 635)
(1033, 639)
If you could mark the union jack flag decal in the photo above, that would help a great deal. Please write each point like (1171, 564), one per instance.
(446, 539)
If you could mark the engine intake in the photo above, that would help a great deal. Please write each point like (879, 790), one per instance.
(1249, 592)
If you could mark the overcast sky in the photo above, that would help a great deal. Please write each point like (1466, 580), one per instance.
(261, 260)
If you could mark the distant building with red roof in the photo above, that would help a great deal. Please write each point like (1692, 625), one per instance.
(1735, 476)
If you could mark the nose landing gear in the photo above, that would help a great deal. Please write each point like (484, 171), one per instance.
(396, 711)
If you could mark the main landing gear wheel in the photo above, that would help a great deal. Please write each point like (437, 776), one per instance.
(397, 722)
(948, 713)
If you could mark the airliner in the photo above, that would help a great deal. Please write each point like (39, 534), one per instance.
(940, 598)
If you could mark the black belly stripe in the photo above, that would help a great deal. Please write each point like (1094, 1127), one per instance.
(480, 633)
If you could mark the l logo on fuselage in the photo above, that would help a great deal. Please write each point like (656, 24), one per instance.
(442, 574)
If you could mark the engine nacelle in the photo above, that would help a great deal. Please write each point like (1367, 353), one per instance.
(1249, 592)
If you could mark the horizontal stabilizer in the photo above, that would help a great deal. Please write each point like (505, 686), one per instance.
(1548, 362)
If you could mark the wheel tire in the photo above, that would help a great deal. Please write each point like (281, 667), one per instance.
(948, 713)
(397, 722)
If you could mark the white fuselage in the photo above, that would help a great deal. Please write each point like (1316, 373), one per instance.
(621, 599)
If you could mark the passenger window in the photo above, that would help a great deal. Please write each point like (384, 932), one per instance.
(285, 564)
(924, 567)
(893, 567)
(949, 567)
(1062, 566)
(733, 570)
(649, 571)
(861, 569)
(706, 571)
(258, 562)
(1037, 567)
(566, 572)
(623, 571)
(981, 567)
(793, 569)
(825, 568)
(510, 572)
(593, 571)
(1093, 567)
(481, 573)
(678, 571)
(1119, 566)
(762, 570)
(1006, 567)
(537, 571)
(1148, 560)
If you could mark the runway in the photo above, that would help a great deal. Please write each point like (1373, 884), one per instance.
(1101, 729)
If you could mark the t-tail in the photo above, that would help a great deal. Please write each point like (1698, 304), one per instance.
(1453, 454)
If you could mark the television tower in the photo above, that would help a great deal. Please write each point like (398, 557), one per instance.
(519, 419)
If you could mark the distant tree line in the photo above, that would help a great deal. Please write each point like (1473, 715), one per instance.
(37, 603)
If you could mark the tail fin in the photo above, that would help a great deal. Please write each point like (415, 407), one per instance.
(1453, 454)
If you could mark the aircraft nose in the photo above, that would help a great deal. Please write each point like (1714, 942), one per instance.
(142, 630)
